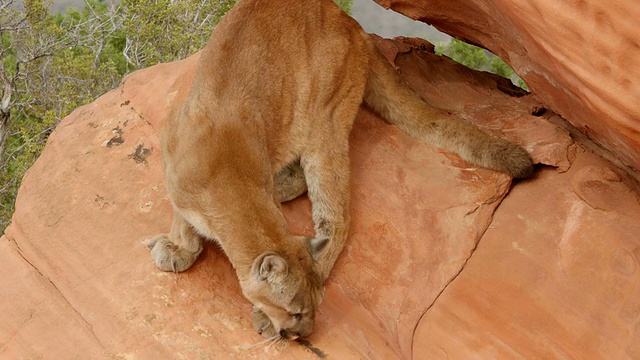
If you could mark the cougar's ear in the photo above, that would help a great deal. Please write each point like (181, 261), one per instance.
(316, 245)
(270, 267)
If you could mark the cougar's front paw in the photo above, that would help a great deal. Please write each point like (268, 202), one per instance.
(169, 257)
(262, 324)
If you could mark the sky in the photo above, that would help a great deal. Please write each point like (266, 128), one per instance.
(371, 16)
(388, 23)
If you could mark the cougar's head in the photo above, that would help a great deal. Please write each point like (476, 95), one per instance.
(286, 290)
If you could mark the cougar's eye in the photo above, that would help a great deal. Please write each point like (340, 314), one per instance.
(297, 316)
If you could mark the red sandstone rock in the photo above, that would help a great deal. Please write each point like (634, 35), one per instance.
(79, 283)
(553, 278)
(580, 58)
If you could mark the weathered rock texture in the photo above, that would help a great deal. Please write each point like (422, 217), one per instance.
(438, 264)
(581, 58)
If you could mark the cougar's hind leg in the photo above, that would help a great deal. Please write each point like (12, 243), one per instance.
(177, 250)
(290, 182)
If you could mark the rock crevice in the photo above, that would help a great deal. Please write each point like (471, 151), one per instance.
(57, 293)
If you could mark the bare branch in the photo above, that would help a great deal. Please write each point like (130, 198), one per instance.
(7, 92)
(5, 4)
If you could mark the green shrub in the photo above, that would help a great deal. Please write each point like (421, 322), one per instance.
(345, 5)
(52, 64)
(478, 59)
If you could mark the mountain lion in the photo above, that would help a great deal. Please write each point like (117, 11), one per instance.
(268, 117)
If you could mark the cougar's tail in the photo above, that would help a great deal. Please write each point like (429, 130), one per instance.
(389, 96)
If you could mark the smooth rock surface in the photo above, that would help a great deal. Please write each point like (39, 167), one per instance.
(79, 283)
(554, 277)
(579, 58)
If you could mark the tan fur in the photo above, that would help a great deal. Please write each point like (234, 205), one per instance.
(274, 98)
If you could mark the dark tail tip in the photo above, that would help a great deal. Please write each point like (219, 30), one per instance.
(518, 163)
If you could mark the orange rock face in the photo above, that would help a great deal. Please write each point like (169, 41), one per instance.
(443, 259)
(580, 58)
